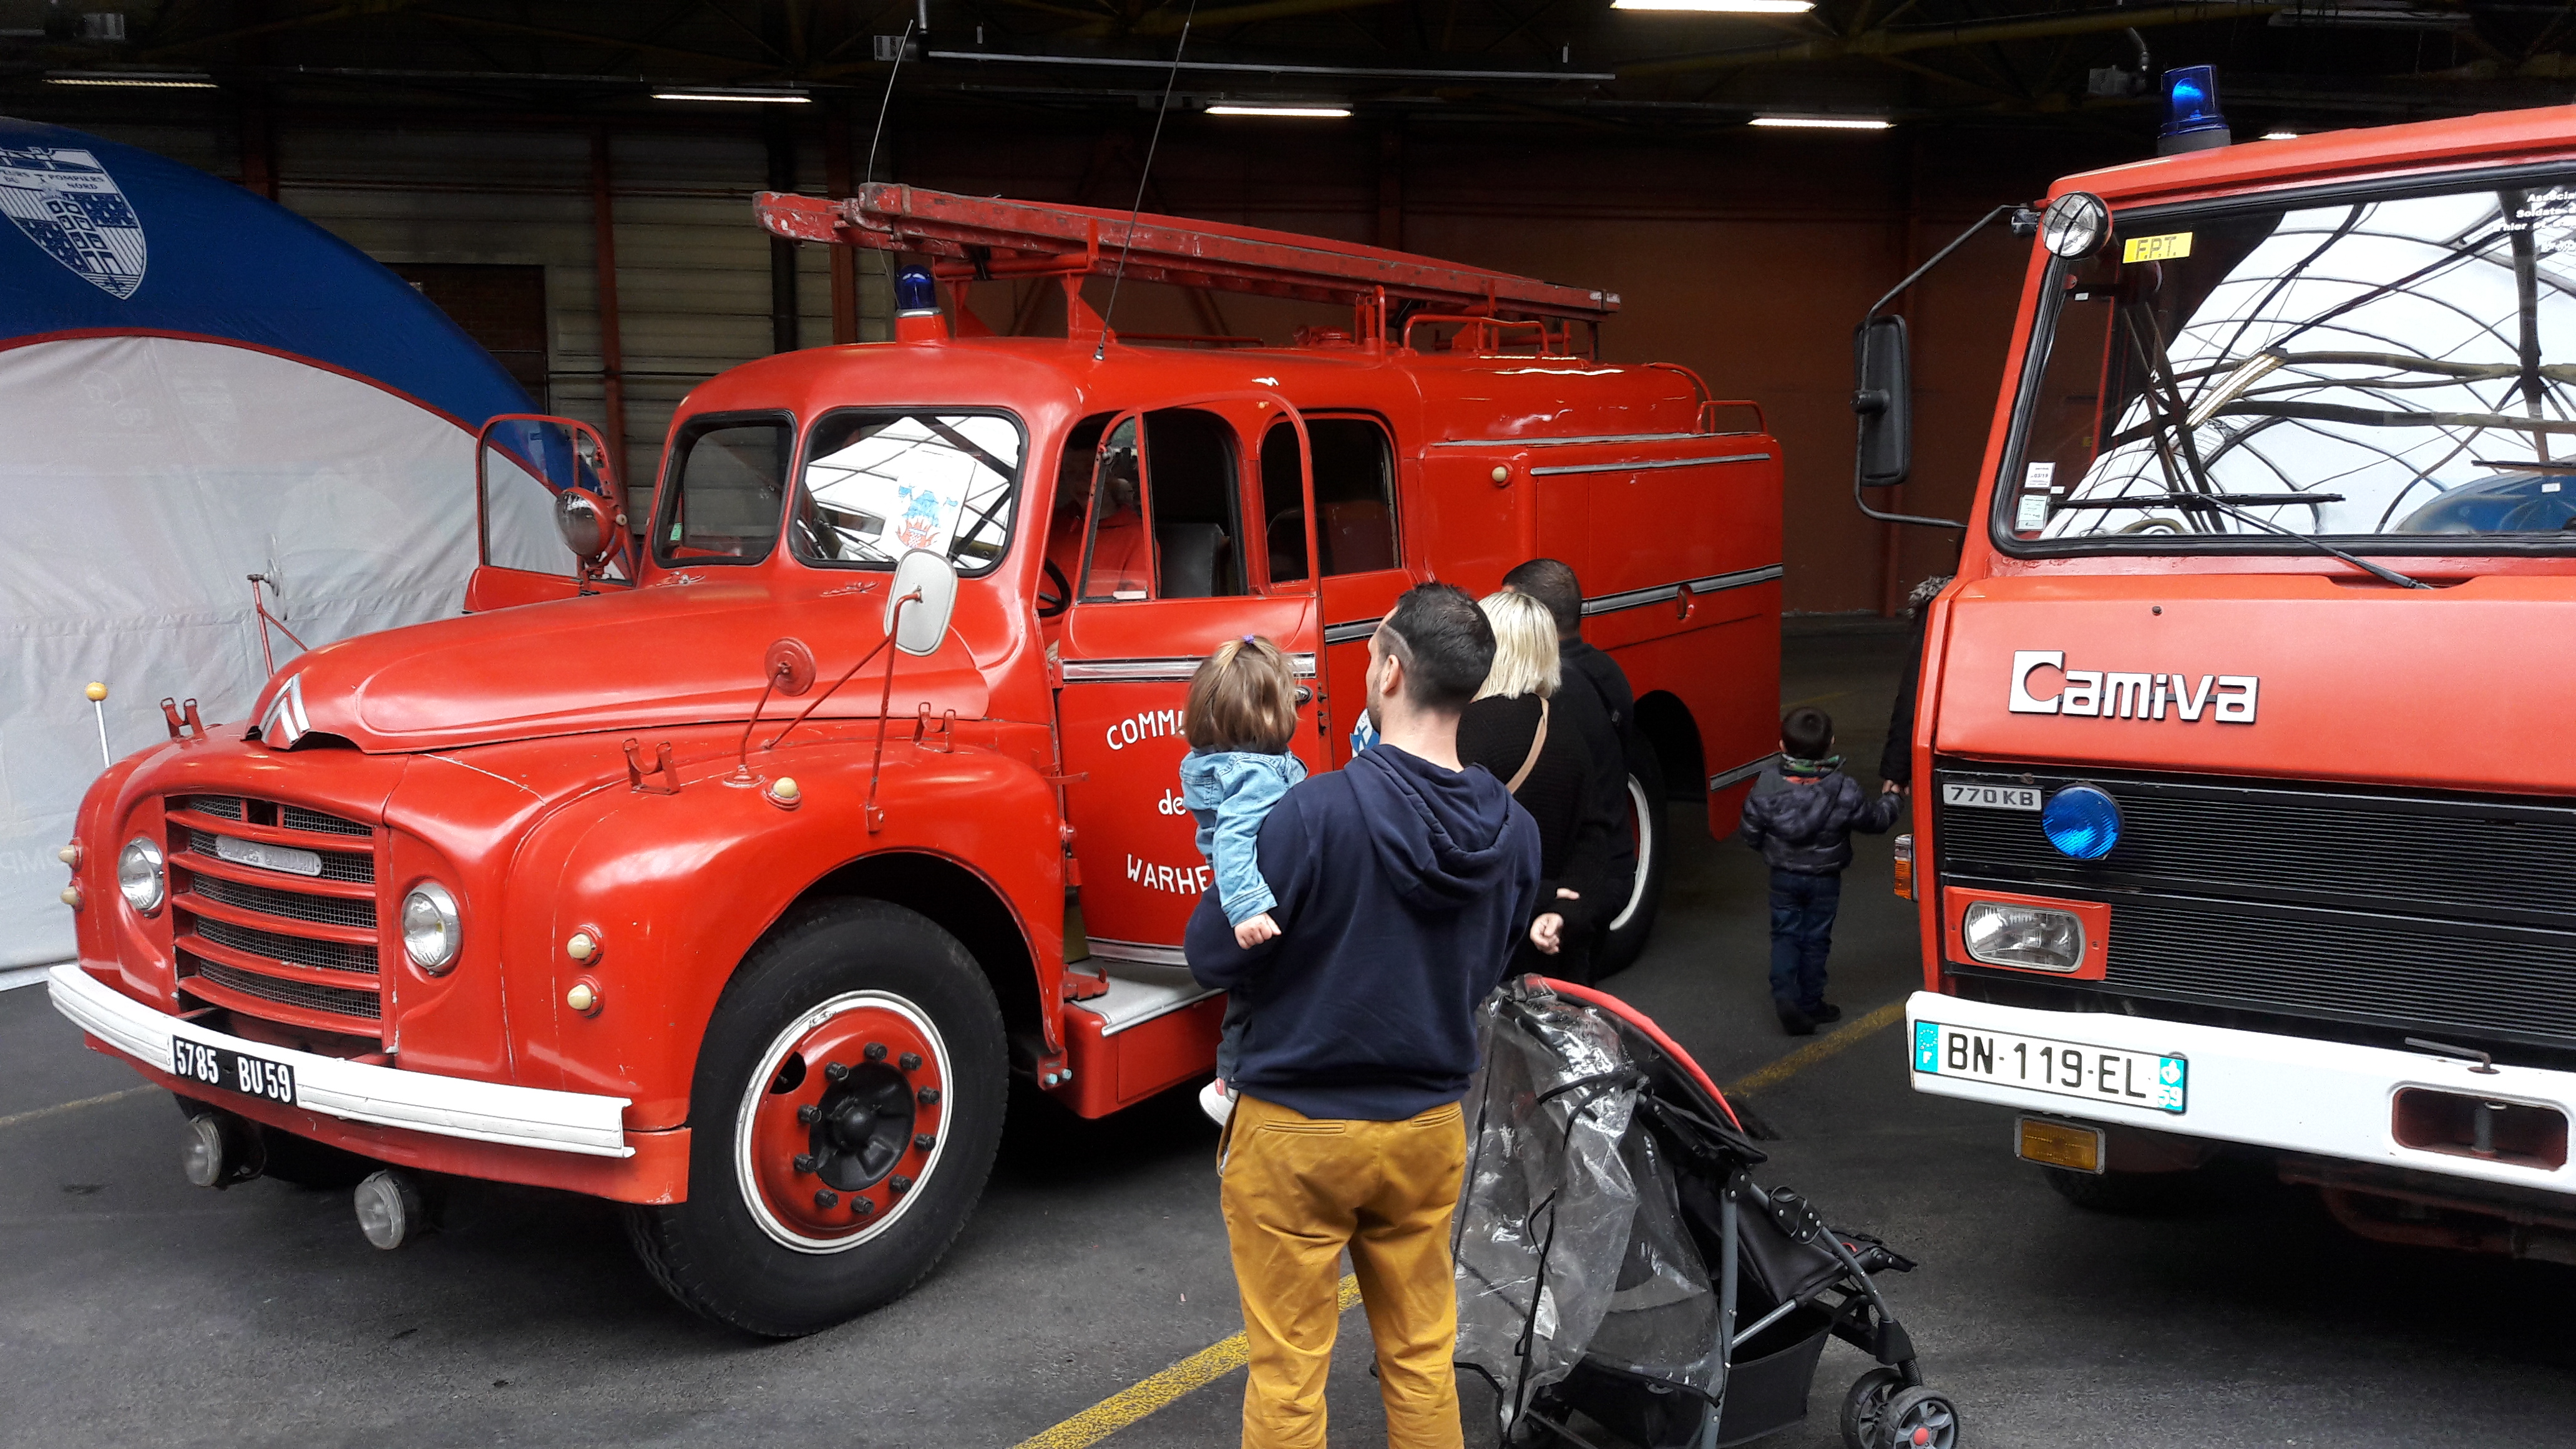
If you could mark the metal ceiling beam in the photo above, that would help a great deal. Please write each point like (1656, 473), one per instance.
(1885, 42)
(1164, 22)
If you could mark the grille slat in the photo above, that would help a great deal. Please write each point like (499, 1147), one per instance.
(2323, 902)
(302, 950)
(338, 1001)
(296, 817)
(336, 865)
(321, 910)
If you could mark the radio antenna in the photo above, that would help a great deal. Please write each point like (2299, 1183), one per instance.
(902, 44)
(1144, 174)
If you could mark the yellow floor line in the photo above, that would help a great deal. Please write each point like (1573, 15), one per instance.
(14, 1118)
(1816, 1051)
(1219, 1359)
(1129, 1405)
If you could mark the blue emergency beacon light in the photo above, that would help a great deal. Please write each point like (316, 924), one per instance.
(2192, 118)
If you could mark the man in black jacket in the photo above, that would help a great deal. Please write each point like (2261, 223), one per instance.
(1402, 880)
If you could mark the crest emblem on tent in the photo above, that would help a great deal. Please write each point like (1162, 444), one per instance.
(67, 204)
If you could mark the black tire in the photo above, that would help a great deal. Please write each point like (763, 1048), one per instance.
(2125, 1193)
(1623, 937)
(1865, 1405)
(730, 1263)
(1919, 1410)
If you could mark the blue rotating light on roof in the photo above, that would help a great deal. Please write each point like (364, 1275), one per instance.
(2082, 821)
(915, 294)
(2192, 118)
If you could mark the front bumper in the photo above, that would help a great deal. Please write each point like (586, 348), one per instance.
(573, 1122)
(2332, 1099)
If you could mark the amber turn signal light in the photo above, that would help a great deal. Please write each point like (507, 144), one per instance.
(1905, 866)
(2058, 1144)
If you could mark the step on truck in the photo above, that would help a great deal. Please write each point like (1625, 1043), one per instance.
(2245, 818)
(733, 869)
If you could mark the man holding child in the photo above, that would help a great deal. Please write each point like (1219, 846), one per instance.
(1401, 883)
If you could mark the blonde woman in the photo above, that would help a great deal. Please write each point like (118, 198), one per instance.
(1524, 731)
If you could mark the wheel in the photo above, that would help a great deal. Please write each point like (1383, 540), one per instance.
(847, 1104)
(1865, 1405)
(2120, 1192)
(1918, 1418)
(1625, 937)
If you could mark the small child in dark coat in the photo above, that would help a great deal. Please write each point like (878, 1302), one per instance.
(1805, 832)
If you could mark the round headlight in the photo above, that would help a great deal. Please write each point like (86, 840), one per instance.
(140, 875)
(2075, 225)
(2083, 821)
(431, 928)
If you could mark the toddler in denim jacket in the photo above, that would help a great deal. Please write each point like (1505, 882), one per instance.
(1240, 715)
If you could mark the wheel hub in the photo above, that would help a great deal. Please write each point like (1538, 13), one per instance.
(848, 1122)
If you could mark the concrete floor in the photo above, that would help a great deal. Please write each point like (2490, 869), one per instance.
(137, 1310)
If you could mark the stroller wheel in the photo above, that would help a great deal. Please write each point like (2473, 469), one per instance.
(1865, 1404)
(1919, 1418)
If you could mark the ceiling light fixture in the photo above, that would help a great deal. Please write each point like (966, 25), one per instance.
(1228, 108)
(164, 80)
(1825, 123)
(1721, 7)
(754, 98)
(2280, 135)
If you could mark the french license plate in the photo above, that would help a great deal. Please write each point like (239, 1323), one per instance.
(2063, 1068)
(272, 857)
(233, 1071)
(1978, 795)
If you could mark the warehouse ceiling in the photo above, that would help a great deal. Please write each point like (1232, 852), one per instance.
(2303, 65)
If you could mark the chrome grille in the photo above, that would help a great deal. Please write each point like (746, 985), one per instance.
(303, 951)
(302, 926)
(321, 910)
(338, 1001)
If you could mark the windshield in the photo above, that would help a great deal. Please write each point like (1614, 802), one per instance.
(2400, 368)
(879, 482)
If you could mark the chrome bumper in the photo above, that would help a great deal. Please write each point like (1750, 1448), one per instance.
(386, 1096)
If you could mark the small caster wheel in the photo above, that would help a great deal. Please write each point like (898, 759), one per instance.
(1863, 1406)
(1918, 1418)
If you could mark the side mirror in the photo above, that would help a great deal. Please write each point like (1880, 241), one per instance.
(527, 465)
(1883, 396)
(918, 626)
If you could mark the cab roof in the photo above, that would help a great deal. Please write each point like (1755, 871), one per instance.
(2496, 138)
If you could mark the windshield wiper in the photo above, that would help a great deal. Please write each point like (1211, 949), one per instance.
(2187, 500)
(2169, 413)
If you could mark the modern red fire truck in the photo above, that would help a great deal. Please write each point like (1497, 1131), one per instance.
(2248, 819)
(666, 880)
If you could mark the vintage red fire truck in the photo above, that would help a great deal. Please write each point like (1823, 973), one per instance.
(2244, 817)
(666, 880)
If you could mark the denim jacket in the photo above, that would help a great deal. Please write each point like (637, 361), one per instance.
(1229, 793)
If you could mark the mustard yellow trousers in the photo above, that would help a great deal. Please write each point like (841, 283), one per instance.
(1298, 1190)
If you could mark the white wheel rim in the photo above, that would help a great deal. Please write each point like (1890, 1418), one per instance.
(744, 1176)
(1645, 853)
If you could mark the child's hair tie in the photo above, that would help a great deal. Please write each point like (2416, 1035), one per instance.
(1247, 638)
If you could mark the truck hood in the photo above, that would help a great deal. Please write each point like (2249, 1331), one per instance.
(2285, 675)
(629, 659)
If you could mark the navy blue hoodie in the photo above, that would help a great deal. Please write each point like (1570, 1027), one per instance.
(1402, 887)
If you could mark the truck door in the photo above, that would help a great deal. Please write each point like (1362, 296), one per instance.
(525, 465)
(1175, 561)
(1335, 482)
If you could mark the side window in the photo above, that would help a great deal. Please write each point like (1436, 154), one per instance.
(1164, 518)
(1354, 496)
(725, 493)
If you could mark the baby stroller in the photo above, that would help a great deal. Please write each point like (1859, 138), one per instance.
(1616, 1259)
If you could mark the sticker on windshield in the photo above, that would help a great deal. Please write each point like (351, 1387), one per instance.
(2172, 246)
(2035, 484)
